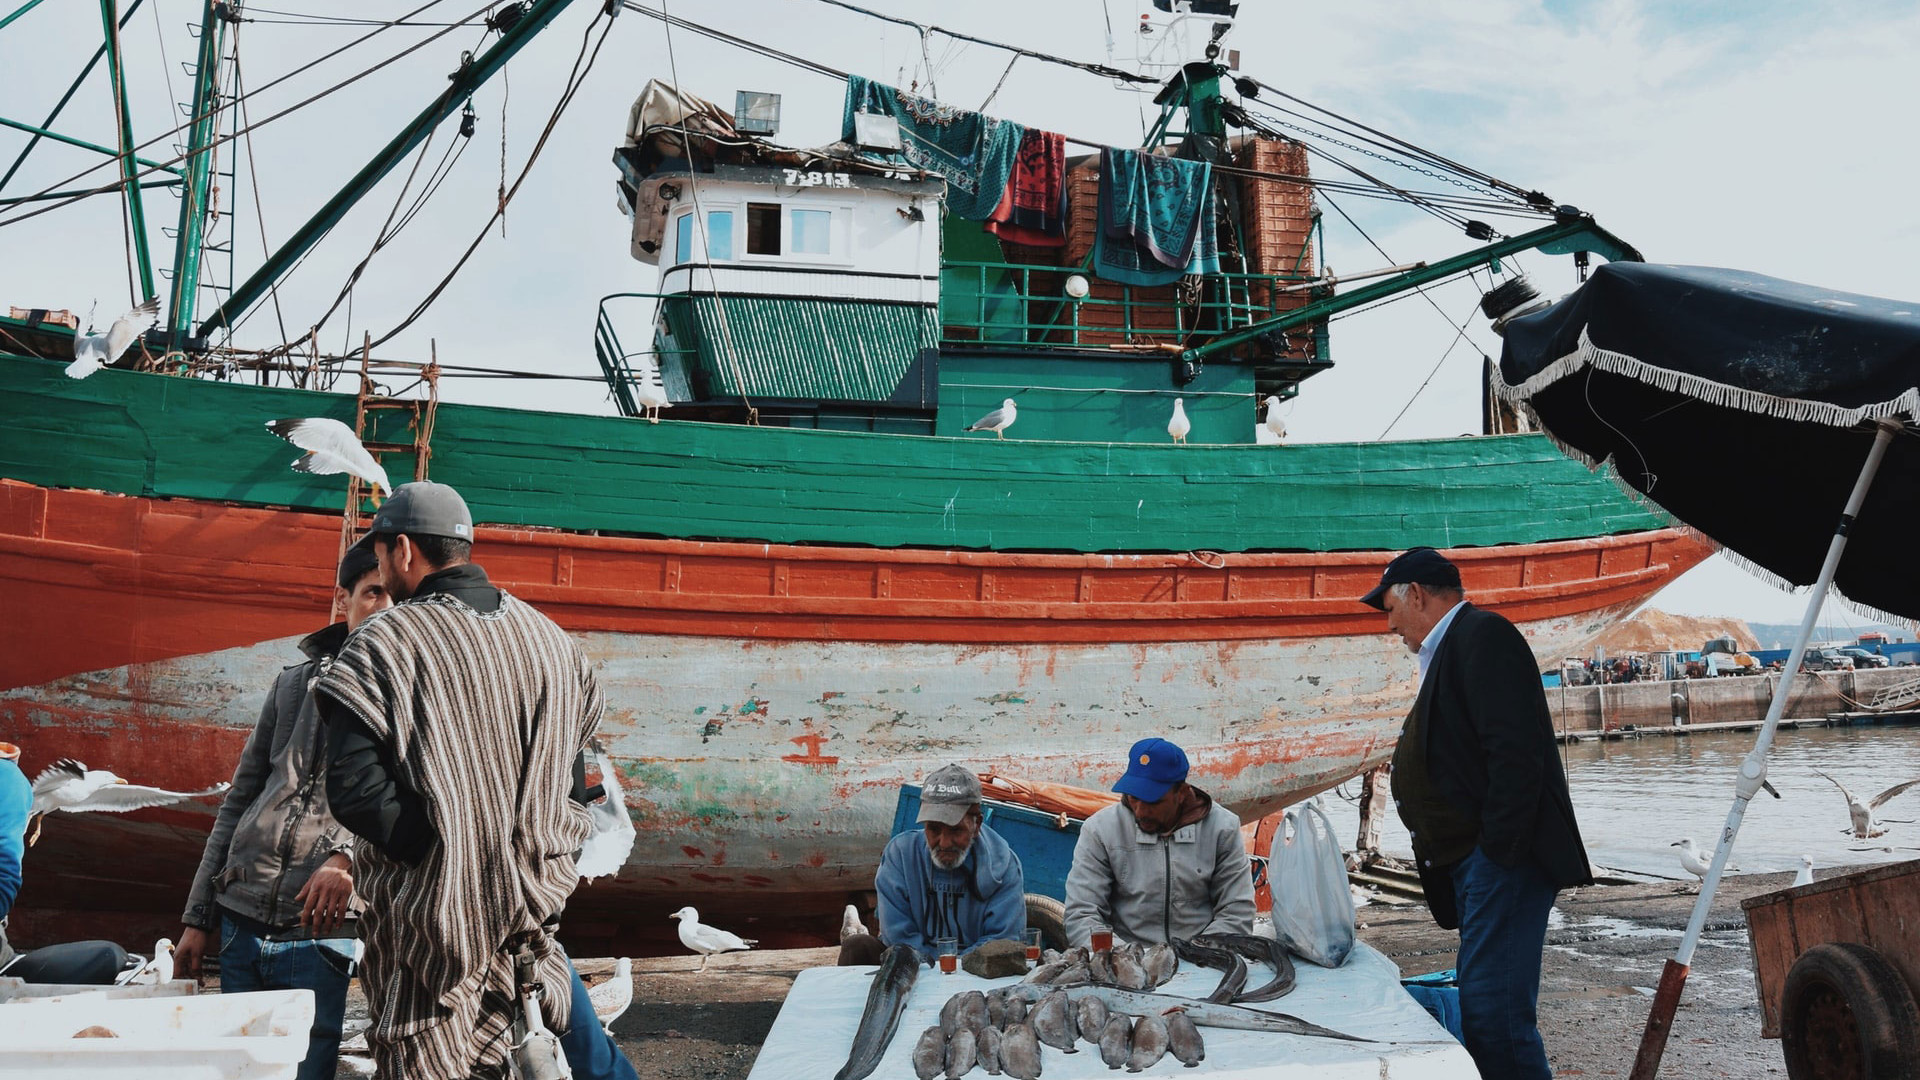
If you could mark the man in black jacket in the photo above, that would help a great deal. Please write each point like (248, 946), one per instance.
(1478, 782)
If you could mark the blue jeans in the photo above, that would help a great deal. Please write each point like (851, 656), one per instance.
(1503, 931)
(590, 1051)
(249, 962)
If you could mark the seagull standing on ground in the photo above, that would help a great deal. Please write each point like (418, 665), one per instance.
(1691, 859)
(69, 785)
(1179, 425)
(611, 998)
(91, 352)
(707, 940)
(998, 420)
(158, 970)
(1805, 876)
(1865, 825)
(331, 447)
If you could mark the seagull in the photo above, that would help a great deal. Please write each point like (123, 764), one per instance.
(707, 940)
(1865, 825)
(1275, 426)
(1690, 859)
(612, 997)
(998, 420)
(91, 352)
(850, 924)
(607, 848)
(331, 447)
(1179, 425)
(650, 389)
(1805, 876)
(156, 971)
(69, 785)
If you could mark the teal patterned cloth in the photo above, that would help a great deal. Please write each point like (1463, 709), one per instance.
(972, 151)
(1156, 219)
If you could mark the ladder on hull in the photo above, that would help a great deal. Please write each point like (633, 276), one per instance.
(370, 404)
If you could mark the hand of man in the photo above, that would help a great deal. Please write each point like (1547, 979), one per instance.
(326, 895)
(190, 951)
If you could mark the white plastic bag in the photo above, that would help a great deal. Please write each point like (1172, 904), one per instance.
(606, 850)
(1307, 874)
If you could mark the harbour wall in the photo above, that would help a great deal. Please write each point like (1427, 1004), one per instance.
(1725, 700)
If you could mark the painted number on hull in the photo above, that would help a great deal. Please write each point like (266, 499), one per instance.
(818, 179)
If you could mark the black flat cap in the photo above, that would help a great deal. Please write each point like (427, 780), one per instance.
(1415, 566)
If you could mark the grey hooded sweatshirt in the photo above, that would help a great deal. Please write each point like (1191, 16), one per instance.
(1147, 887)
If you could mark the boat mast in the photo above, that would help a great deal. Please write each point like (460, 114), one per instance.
(123, 129)
(196, 193)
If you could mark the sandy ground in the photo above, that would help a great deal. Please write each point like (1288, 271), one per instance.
(1605, 950)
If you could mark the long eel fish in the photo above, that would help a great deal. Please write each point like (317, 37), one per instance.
(1263, 950)
(1204, 1013)
(1220, 958)
(886, 999)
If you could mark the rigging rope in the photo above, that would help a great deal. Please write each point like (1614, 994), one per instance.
(1102, 70)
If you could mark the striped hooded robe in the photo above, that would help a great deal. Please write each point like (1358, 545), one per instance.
(484, 714)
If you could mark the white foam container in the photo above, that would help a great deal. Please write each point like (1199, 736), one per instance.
(14, 990)
(255, 1036)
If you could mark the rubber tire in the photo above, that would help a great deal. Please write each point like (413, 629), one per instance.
(1049, 916)
(1846, 1012)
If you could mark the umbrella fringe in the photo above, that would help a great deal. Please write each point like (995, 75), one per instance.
(1588, 355)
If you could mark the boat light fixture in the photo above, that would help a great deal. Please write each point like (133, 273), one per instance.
(1077, 287)
(756, 113)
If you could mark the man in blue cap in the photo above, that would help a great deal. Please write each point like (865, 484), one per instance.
(1478, 782)
(1166, 863)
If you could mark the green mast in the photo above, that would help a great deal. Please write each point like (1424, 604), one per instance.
(129, 168)
(196, 193)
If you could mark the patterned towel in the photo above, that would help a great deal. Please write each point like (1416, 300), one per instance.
(1034, 211)
(1156, 219)
(972, 151)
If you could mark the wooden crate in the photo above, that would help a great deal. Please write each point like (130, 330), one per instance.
(45, 316)
(1278, 215)
(1878, 908)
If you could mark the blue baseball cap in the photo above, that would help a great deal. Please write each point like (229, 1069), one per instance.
(1415, 566)
(1154, 766)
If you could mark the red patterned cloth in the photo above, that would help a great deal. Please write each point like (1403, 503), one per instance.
(1034, 209)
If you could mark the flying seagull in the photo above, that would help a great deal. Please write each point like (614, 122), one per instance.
(650, 390)
(707, 940)
(998, 420)
(1805, 876)
(331, 447)
(91, 352)
(1179, 425)
(71, 786)
(1865, 825)
(611, 998)
(1691, 858)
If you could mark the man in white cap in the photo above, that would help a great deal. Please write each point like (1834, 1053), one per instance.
(952, 878)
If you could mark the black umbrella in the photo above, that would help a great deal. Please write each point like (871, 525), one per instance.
(1777, 418)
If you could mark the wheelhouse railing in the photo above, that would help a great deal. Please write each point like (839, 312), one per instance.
(616, 360)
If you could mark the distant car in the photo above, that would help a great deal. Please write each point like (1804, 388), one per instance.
(1863, 658)
(1826, 660)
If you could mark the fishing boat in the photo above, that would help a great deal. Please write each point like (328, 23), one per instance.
(803, 568)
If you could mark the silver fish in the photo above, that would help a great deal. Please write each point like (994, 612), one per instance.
(987, 1048)
(1100, 968)
(1149, 1042)
(973, 1014)
(1074, 975)
(961, 1055)
(930, 1054)
(886, 999)
(1161, 963)
(1127, 972)
(1045, 973)
(1076, 955)
(1020, 1053)
(1052, 1021)
(1116, 1040)
(1016, 1012)
(1203, 1013)
(950, 1015)
(1183, 1039)
(1264, 950)
(1090, 1015)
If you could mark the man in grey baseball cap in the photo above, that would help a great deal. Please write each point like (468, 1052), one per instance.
(424, 530)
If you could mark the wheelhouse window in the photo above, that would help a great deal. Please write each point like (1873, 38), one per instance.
(683, 239)
(720, 235)
(812, 232)
(763, 229)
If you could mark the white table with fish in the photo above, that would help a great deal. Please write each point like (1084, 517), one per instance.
(815, 1031)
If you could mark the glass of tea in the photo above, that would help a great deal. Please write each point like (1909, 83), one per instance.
(1033, 948)
(949, 954)
(1102, 941)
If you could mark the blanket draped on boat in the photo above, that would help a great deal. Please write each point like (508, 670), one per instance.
(1034, 211)
(484, 714)
(972, 151)
(1156, 219)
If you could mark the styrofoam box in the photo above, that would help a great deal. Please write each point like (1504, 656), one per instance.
(254, 1036)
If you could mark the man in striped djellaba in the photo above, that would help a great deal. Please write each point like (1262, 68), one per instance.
(440, 710)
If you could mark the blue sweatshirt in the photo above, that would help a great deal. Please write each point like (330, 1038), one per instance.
(983, 899)
(16, 802)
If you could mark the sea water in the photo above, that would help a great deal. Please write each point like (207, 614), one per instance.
(1634, 797)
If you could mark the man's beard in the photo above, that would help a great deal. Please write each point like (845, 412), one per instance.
(950, 860)
(396, 588)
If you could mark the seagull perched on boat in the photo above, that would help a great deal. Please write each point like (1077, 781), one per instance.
(331, 447)
(650, 390)
(91, 352)
(1805, 876)
(1273, 430)
(850, 924)
(1179, 425)
(69, 785)
(998, 420)
(611, 998)
(1865, 825)
(1691, 861)
(707, 940)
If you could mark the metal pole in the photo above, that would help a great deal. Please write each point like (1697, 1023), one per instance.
(28, 6)
(1753, 774)
(83, 144)
(197, 195)
(64, 98)
(129, 172)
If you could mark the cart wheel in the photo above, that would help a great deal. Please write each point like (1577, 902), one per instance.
(1049, 916)
(1846, 1014)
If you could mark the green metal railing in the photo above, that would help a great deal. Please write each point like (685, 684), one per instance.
(615, 358)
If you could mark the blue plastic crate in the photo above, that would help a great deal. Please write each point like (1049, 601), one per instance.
(1438, 993)
(1044, 841)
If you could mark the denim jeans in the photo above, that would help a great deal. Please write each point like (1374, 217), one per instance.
(590, 1051)
(1503, 931)
(249, 962)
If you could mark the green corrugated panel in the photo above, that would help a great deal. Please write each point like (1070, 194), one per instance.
(827, 349)
(158, 435)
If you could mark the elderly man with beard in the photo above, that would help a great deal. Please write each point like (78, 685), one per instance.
(954, 878)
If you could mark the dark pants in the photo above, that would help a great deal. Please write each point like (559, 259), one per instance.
(590, 1051)
(249, 962)
(1503, 931)
(862, 950)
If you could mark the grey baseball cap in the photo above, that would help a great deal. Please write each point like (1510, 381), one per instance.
(947, 794)
(424, 508)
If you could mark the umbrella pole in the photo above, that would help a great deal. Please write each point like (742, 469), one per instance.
(1753, 773)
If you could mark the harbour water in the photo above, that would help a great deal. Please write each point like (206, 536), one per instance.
(1636, 796)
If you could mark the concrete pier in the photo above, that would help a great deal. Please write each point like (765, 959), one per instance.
(1738, 700)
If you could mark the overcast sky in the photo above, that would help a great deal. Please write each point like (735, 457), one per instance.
(1764, 135)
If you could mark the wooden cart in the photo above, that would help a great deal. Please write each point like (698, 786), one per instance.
(1837, 965)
